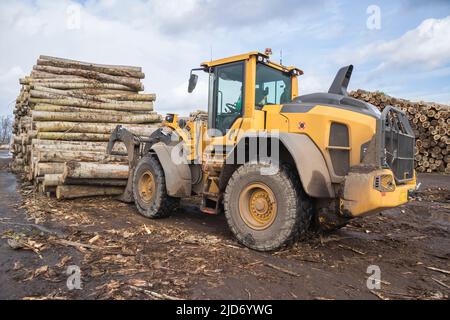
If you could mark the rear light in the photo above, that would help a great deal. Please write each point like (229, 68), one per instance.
(384, 183)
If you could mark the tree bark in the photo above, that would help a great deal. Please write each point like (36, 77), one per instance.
(49, 168)
(85, 156)
(130, 97)
(73, 192)
(69, 136)
(67, 147)
(77, 145)
(50, 93)
(119, 67)
(126, 81)
(66, 110)
(94, 182)
(56, 108)
(46, 75)
(52, 180)
(86, 127)
(86, 117)
(101, 92)
(73, 143)
(86, 170)
(82, 85)
(29, 80)
(76, 102)
(31, 134)
(114, 71)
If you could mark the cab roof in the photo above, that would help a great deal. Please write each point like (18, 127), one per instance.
(247, 56)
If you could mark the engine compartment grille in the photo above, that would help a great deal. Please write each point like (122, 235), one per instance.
(397, 144)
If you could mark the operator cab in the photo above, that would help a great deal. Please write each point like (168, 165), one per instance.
(241, 84)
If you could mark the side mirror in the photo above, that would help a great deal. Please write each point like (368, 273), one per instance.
(192, 82)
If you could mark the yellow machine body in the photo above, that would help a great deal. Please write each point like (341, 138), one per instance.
(355, 191)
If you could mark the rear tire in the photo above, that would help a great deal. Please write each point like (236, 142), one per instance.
(255, 227)
(149, 189)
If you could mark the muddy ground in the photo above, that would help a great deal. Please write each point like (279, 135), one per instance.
(122, 255)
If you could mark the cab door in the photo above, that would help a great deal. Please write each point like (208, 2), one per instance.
(228, 96)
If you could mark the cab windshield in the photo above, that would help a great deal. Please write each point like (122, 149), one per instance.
(272, 86)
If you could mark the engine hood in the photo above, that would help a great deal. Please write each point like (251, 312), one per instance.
(305, 103)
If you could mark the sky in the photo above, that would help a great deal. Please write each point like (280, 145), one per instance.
(399, 47)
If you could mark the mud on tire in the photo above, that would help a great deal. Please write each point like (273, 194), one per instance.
(294, 210)
(154, 203)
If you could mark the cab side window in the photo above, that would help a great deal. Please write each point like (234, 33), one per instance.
(272, 86)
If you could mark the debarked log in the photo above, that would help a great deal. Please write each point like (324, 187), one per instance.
(70, 136)
(49, 168)
(68, 147)
(75, 145)
(87, 127)
(120, 67)
(52, 180)
(87, 117)
(73, 192)
(111, 70)
(82, 103)
(86, 156)
(130, 97)
(81, 85)
(94, 182)
(56, 108)
(43, 92)
(86, 170)
(45, 75)
(88, 74)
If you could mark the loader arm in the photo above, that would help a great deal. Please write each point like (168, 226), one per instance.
(135, 146)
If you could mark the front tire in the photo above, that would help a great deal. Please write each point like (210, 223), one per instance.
(149, 189)
(266, 212)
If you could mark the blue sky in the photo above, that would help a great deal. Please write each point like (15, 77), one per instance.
(408, 56)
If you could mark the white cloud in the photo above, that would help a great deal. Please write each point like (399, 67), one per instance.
(313, 82)
(426, 47)
(9, 86)
(13, 73)
(29, 31)
(166, 38)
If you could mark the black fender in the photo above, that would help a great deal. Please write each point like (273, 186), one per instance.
(176, 169)
(309, 161)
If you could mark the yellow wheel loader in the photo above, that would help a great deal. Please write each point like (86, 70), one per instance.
(276, 163)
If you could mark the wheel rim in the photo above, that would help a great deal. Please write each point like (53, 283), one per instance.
(147, 186)
(258, 206)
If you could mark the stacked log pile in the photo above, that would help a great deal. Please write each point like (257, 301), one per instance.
(64, 115)
(430, 122)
